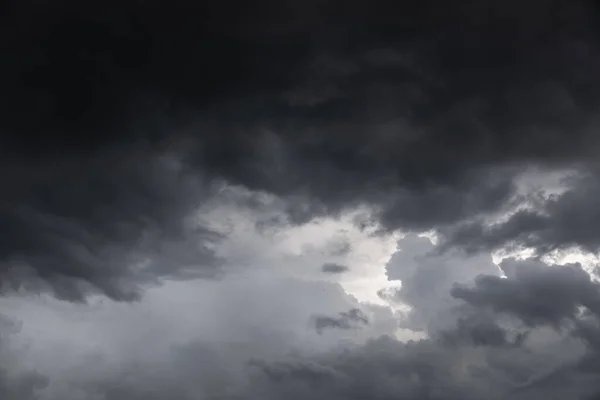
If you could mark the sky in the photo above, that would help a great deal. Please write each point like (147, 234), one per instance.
(321, 199)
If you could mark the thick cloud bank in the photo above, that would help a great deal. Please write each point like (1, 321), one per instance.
(426, 113)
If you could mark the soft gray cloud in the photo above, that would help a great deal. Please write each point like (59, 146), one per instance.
(427, 277)
(16, 382)
(332, 268)
(185, 338)
(482, 356)
(230, 340)
(350, 319)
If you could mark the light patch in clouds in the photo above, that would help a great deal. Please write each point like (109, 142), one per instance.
(300, 250)
(255, 258)
(589, 261)
(263, 307)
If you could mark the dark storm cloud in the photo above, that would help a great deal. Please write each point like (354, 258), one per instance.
(332, 268)
(560, 222)
(535, 293)
(350, 319)
(81, 225)
(561, 297)
(429, 124)
(386, 96)
(481, 330)
(426, 112)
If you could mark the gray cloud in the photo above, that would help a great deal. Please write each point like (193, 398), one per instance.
(481, 330)
(535, 292)
(560, 222)
(339, 246)
(119, 350)
(332, 268)
(483, 355)
(427, 277)
(259, 351)
(561, 297)
(382, 368)
(350, 319)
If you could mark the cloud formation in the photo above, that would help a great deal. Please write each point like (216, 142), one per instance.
(427, 278)
(242, 345)
(101, 224)
(426, 124)
(185, 185)
(483, 355)
(536, 293)
(561, 222)
(344, 320)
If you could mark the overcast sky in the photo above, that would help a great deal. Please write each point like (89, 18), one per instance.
(315, 199)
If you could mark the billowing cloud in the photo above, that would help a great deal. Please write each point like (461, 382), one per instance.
(385, 105)
(564, 221)
(427, 278)
(483, 355)
(101, 224)
(229, 339)
(535, 292)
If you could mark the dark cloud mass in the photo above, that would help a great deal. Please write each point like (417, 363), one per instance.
(423, 110)
(427, 278)
(563, 221)
(536, 293)
(90, 223)
(149, 144)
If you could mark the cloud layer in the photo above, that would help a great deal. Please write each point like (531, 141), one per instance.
(201, 201)
(499, 339)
